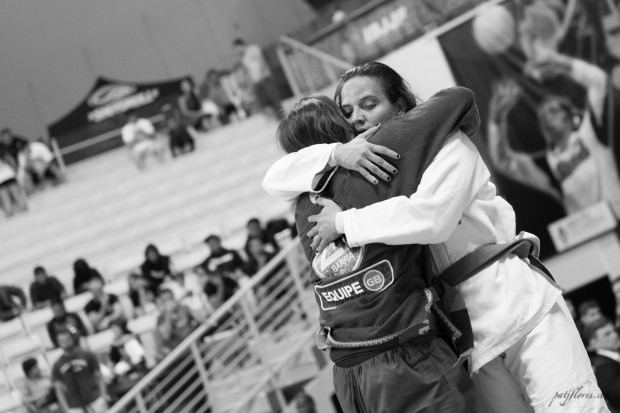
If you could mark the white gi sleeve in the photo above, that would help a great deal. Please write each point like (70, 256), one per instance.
(430, 215)
(298, 172)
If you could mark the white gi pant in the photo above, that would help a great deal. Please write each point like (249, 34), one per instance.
(533, 376)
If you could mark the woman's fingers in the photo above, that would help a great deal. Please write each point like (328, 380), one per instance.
(368, 132)
(382, 150)
(376, 171)
(367, 175)
(379, 161)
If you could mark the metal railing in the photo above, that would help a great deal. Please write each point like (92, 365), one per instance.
(258, 342)
(308, 69)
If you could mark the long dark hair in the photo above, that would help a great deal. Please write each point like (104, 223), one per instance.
(394, 85)
(313, 120)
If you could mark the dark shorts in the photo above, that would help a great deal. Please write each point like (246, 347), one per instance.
(415, 377)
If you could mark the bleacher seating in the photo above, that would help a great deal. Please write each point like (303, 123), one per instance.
(108, 211)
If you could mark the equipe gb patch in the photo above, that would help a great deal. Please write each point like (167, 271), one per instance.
(371, 280)
(337, 259)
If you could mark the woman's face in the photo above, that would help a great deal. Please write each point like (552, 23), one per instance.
(365, 104)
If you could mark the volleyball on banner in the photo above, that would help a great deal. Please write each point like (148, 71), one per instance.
(543, 77)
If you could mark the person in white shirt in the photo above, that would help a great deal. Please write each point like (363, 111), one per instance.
(139, 135)
(526, 346)
(258, 71)
(584, 167)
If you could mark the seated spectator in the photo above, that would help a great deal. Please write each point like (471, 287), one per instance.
(259, 254)
(219, 287)
(222, 259)
(77, 378)
(82, 274)
(141, 294)
(12, 198)
(174, 323)
(64, 321)
(603, 340)
(36, 389)
(190, 105)
(304, 403)
(255, 230)
(45, 289)
(12, 302)
(104, 308)
(155, 266)
(139, 136)
(589, 311)
(37, 166)
(127, 358)
(179, 139)
(11, 145)
(213, 89)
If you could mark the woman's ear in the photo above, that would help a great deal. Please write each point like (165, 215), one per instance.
(400, 105)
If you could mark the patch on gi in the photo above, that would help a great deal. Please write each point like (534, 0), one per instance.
(337, 259)
(371, 280)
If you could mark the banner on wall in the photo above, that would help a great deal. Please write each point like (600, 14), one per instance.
(93, 126)
(374, 31)
(542, 73)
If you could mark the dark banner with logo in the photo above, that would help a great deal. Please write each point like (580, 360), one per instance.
(543, 75)
(94, 125)
(383, 26)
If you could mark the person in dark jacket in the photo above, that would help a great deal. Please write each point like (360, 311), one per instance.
(64, 321)
(155, 267)
(12, 302)
(604, 342)
(82, 274)
(222, 259)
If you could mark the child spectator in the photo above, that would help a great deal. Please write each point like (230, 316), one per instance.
(155, 266)
(104, 308)
(36, 389)
(141, 294)
(12, 302)
(126, 353)
(64, 321)
(213, 89)
(45, 289)
(77, 378)
(82, 274)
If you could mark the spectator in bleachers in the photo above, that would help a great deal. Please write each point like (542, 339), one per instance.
(155, 267)
(140, 137)
(64, 321)
(36, 389)
(603, 340)
(255, 230)
(141, 294)
(190, 105)
(259, 254)
(179, 139)
(37, 166)
(45, 289)
(219, 287)
(12, 198)
(77, 378)
(304, 403)
(175, 321)
(589, 312)
(11, 145)
(213, 89)
(252, 60)
(12, 302)
(104, 308)
(82, 274)
(222, 259)
(127, 358)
